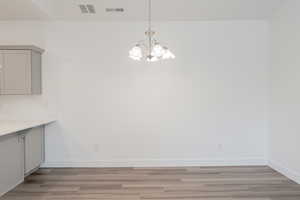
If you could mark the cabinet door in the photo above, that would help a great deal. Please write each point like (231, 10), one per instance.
(34, 140)
(12, 162)
(16, 72)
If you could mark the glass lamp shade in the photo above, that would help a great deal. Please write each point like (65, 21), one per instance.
(157, 51)
(168, 54)
(136, 53)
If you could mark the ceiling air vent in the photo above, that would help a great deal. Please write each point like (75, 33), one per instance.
(91, 8)
(114, 9)
(85, 9)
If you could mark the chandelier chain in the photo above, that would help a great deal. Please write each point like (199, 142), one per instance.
(149, 13)
(149, 23)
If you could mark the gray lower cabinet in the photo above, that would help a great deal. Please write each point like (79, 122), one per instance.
(21, 154)
(12, 162)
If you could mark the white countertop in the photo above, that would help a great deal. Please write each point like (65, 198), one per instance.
(11, 126)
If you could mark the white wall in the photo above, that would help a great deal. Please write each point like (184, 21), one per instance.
(207, 107)
(285, 96)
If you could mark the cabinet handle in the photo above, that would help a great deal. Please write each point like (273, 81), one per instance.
(21, 138)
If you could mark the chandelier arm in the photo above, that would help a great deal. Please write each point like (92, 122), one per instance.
(141, 42)
(145, 46)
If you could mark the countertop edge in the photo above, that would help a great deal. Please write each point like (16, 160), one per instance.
(16, 126)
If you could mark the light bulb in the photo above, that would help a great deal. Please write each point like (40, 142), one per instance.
(136, 53)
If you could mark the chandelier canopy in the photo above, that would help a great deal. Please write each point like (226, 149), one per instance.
(150, 49)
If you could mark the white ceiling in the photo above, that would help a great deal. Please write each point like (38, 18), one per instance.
(136, 9)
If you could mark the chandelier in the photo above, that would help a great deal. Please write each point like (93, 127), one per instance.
(150, 49)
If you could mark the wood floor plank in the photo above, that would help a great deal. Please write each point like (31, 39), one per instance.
(171, 183)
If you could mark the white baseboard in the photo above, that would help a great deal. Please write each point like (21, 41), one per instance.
(291, 174)
(158, 163)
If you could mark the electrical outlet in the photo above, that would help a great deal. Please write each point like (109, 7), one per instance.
(220, 147)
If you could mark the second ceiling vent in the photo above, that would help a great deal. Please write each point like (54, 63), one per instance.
(114, 9)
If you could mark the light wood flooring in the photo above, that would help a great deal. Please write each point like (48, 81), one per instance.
(188, 183)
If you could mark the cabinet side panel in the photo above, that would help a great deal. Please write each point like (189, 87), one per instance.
(1, 71)
(33, 149)
(36, 70)
(43, 145)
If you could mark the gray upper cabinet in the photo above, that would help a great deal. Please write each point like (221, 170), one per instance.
(20, 70)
